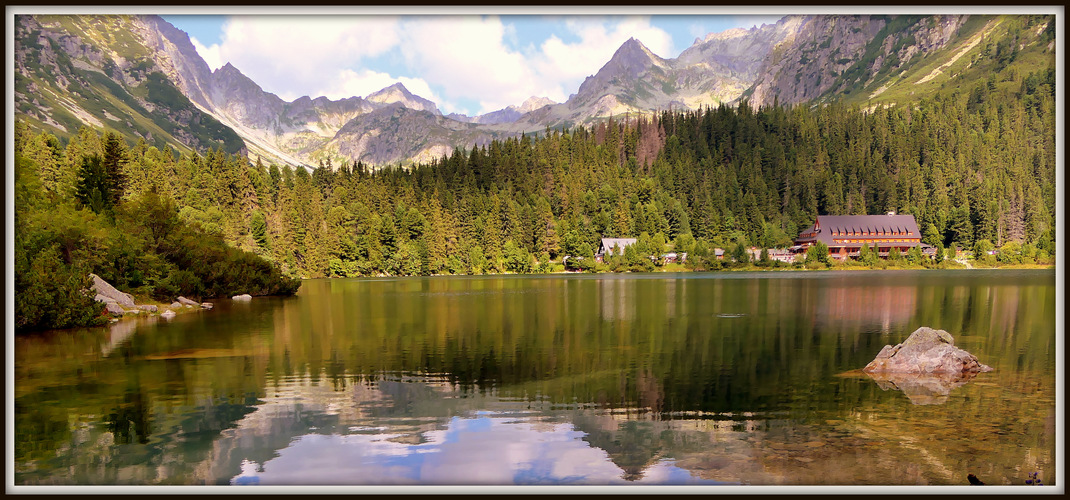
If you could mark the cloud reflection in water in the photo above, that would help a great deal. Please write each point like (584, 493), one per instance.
(488, 448)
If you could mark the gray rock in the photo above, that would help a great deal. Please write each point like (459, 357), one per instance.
(102, 298)
(168, 314)
(243, 296)
(148, 307)
(115, 308)
(104, 289)
(207, 305)
(175, 305)
(926, 351)
(187, 302)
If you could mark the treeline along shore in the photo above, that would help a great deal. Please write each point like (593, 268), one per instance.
(975, 167)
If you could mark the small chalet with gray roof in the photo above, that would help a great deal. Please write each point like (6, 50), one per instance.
(845, 234)
(608, 244)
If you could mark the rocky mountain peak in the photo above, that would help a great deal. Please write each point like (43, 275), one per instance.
(634, 56)
(533, 103)
(630, 62)
(397, 93)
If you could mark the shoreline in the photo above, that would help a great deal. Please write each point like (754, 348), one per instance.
(750, 268)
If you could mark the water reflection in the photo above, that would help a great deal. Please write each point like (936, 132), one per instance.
(417, 430)
(923, 388)
(729, 378)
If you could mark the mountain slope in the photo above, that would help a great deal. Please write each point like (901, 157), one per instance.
(72, 71)
(715, 70)
(141, 76)
(873, 60)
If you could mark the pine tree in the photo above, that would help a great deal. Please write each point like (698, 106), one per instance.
(113, 162)
(94, 187)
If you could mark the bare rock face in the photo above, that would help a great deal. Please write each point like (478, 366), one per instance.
(926, 351)
(107, 291)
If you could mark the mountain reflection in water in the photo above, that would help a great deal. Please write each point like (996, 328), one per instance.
(726, 378)
(486, 447)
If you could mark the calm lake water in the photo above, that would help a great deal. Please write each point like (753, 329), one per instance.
(724, 378)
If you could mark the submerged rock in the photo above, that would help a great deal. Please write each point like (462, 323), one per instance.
(243, 296)
(926, 351)
(206, 305)
(168, 314)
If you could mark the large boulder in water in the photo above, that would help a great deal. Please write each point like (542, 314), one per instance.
(925, 351)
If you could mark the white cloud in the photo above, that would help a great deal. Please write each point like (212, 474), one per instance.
(468, 57)
(209, 54)
(570, 63)
(448, 59)
(349, 83)
(291, 55)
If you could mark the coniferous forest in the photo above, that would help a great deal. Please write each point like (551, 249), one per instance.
(976, 167)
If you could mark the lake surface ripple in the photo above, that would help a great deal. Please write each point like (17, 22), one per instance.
(722, 378)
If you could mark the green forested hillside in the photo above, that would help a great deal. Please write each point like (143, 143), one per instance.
(100, 218)
(976, 167)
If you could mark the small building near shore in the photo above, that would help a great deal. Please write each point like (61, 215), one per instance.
(673, 257)
(606, 248)
(781, 255)
(845, 234)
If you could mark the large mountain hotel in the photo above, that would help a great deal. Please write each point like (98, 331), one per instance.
(845, 234)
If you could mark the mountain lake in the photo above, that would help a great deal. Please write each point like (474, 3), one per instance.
(733, 378)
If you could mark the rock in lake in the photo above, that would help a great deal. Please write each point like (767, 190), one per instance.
(206, 305)
(187, 302)
(243, 296)
(925, 351)
(104, 289)
(167, 314)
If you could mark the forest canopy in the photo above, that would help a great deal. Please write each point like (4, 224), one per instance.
(976, 168)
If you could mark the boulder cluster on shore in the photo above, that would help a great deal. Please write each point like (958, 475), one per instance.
(120, 304)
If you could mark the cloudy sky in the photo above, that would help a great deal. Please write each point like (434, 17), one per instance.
(469, 64)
